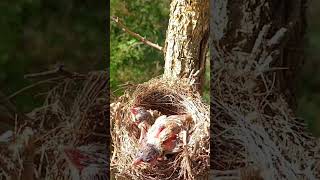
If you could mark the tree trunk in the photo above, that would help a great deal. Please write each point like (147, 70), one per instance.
(186, 42)
(256, 51)
(236, 26)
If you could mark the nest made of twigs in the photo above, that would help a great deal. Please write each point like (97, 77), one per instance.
(254, 126)
(74, 113)
(168, 97)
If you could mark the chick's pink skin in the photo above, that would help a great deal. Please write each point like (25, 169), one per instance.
(148, 153)
(170, 143)
(140, 114)
(157, 127)
(160, 138)
(134, 111)
(139, 161)
(87, 161)
(141, 118)
(162, 135)
(143, 131)
(76, 157)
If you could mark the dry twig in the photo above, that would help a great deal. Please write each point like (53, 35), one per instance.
(142, 39)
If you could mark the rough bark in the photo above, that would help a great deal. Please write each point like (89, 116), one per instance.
(256, 52)
(186, 41)
(236, 26)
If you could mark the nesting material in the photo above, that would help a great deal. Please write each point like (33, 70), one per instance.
(169, 98)
(74, 114)
(254, 126)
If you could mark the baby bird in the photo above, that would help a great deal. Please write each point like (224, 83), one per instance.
(87, 162)
(143, 119)
(140, 114)
(148, 153)
(162, 138)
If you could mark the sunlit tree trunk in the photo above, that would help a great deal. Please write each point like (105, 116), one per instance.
(186, 42)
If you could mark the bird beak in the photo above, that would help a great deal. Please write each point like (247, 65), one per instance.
(159, 130)
(66, 150)
(137, 162)
(69, 154)
(134, 111)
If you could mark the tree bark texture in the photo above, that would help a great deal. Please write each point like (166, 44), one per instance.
(186, 41)
(240, 26)
(256, 52)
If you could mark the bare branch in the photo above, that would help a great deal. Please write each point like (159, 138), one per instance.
(142, 39)
(32, 86)
(58, 71)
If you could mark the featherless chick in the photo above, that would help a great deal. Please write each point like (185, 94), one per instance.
(162, 138)
(143, 119)
(89, 162)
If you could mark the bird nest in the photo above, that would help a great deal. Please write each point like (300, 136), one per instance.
(168, 97)
(255, 133)
(74, 114)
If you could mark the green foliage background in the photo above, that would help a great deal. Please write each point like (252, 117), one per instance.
(309, 82)
(36, 35)
(135, 62)
(131, 60)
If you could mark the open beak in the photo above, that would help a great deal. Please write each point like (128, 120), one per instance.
(158, 131)
(134, 111)
(137, 161)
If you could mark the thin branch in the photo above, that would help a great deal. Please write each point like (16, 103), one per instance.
(58, 73)
(59, 70)
(32, 86)
(142, 39)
